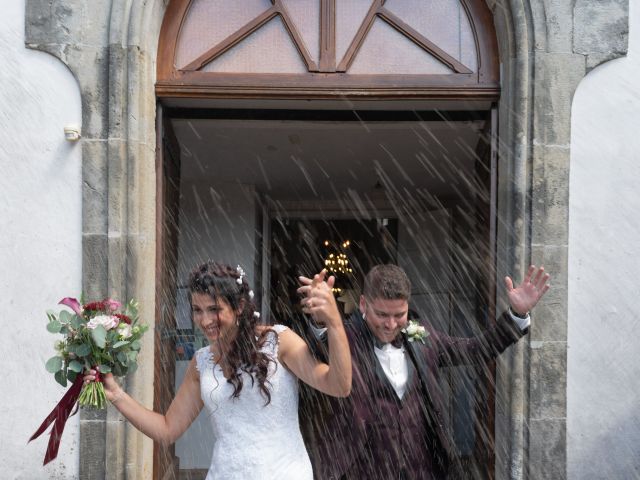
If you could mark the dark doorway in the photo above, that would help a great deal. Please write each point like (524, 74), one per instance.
(347, 248)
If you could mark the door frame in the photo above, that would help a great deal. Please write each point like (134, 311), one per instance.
(332, 209)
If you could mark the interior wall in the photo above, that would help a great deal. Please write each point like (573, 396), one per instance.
(195, 446)
(40, 244)
(217, 222)
(603, 424)
(423, 252)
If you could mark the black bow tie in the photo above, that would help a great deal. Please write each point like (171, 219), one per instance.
(396, 342)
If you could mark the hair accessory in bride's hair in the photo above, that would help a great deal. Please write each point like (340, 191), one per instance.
(241, 273)
(250, 294)
(256, 314)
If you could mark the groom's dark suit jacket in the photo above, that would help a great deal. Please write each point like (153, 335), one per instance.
(372, 434)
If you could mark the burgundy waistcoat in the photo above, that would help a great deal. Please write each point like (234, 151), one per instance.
(397, 433)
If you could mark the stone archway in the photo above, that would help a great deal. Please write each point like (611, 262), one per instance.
(546, 48)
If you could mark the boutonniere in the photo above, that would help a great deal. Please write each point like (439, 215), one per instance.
(414, 331)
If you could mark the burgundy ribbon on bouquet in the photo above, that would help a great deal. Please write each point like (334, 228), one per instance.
(59, 414)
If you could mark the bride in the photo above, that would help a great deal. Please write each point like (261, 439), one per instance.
(247, 378)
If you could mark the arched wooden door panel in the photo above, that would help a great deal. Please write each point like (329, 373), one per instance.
(328, 49)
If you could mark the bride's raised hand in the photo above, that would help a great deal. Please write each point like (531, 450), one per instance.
(318, 299)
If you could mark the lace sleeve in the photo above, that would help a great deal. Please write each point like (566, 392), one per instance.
(279, 328)
(272, 340)
(204, 358)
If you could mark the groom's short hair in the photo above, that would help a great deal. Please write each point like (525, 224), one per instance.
(387, 282)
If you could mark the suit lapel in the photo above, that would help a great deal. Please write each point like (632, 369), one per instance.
(417, 359)
(378, 367)
(367, 350)
(411, 369)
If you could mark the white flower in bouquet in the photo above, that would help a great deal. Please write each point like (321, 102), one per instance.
(124, 330)
(107, 321)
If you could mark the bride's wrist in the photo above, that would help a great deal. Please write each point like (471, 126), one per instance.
(117, 396)
(334, 325)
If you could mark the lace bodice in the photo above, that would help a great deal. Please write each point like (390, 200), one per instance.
(254, 440)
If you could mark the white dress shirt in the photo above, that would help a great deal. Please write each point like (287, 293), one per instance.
(395, 366)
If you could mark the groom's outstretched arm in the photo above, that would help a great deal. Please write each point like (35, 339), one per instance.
(509, 328)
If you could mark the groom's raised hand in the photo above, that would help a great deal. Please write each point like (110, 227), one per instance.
(525, 296)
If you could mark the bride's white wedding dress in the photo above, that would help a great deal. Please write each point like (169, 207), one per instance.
(253, 440)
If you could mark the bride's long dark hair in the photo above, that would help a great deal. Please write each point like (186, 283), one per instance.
(225, 282)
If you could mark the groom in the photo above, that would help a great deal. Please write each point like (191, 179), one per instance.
(393, 425)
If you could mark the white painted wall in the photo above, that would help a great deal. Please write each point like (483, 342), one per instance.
(40, 243)
(603, 424)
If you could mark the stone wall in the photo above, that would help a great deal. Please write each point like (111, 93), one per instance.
(562, 58)
(108, 46)
(545, 54)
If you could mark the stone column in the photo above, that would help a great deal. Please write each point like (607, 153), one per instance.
(546, 47)
(110, 46)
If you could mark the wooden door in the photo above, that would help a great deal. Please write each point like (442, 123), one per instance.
(486, 176)
(165, 463)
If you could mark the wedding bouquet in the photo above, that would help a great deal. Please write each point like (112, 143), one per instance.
(97, 334)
